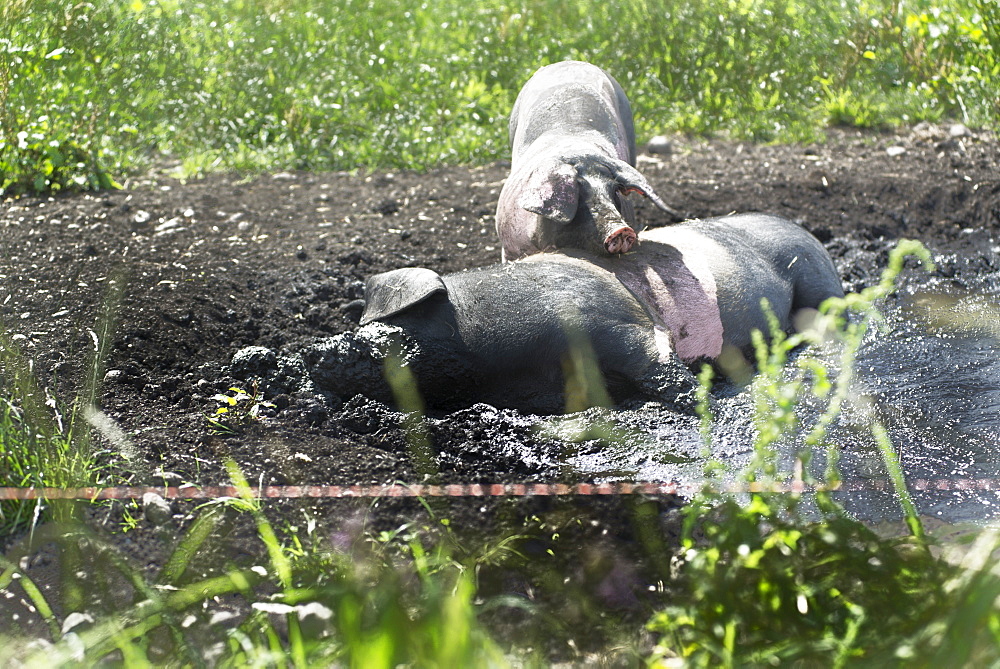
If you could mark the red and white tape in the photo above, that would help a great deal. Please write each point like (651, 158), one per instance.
(478, 489)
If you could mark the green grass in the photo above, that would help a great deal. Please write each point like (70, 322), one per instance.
(93, 92)
(39, 446)
(44, 440)
(373, 602)
(771, 578)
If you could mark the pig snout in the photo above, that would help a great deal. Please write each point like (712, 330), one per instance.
(621, 240)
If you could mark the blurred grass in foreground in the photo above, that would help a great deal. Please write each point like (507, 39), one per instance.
(771, 579)
(45, 441)
(93, 91)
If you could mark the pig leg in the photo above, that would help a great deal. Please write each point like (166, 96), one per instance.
(650, 365)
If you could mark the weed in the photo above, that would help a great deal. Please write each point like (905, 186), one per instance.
(307, 604)
(239, 409)
(787, 578)
(42, 443)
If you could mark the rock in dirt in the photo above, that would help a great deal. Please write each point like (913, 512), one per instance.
(156, 509)
(660, 145)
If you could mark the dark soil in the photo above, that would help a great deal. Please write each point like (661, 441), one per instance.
(210, 266)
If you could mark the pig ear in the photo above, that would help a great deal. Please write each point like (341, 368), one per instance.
(389, 293)
(630, 180)
(551, 191)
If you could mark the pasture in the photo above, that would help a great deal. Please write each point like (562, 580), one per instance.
(184, 179)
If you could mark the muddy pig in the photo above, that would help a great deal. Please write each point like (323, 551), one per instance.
(506, 334)
(572, 163)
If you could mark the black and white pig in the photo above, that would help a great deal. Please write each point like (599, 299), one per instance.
(503, 334)
(572, 163)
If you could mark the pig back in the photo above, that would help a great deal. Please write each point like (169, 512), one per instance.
(748, 258)
(569, 98)
(522, 311)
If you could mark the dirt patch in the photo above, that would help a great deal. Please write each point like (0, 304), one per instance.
(211, 266)
(214, 265)
(218, 264)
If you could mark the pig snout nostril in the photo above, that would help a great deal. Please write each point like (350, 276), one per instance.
(620, 241)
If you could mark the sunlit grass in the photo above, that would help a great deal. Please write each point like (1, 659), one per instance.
(785, 578)
(39, 446)
(770, 578)
(287, 597)
(47, 440)
(92, 92)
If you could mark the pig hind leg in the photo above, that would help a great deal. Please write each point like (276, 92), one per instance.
(815, 281)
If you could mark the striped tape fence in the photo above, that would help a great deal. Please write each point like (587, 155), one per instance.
(478, 489)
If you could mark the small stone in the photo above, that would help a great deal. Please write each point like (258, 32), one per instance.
(314, 618)
(894, 151)
(172, 225)
(661, 145)
(925, 131)
(958, 130)
(114, 376)
(156, 509)
(950, 144)
(388, 207)
(75, 619)
(167, 478)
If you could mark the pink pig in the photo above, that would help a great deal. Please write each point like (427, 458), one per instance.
(502, 334)
(572, 162)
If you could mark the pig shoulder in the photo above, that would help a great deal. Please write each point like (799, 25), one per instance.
(677, 283)
(543, 288)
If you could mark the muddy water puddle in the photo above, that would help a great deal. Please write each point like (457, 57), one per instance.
(930, 373)
(934, 373)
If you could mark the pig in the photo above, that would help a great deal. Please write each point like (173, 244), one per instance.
(572, 163)
(504, 334)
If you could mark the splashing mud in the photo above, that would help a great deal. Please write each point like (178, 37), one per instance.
(279, 262)
(929, 371)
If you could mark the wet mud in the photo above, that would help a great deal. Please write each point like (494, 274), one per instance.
(194, 272)
(215, 265)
